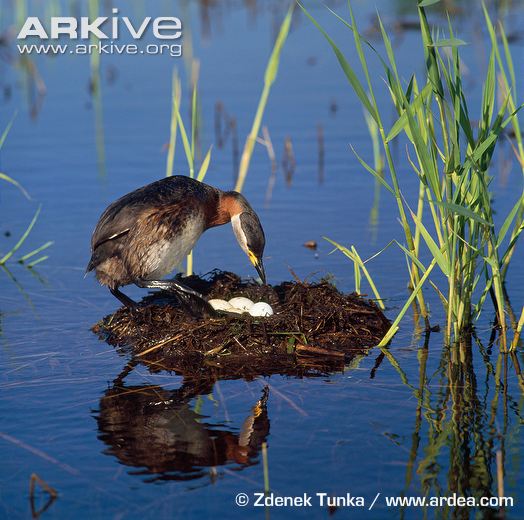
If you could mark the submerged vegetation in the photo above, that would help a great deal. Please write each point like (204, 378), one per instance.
(453, 217)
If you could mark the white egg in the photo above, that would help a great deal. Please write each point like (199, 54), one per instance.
(261, 309)
(220, 305)
(241, 303)
(235, 310)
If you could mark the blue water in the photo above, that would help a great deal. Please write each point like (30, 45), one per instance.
(355, 431)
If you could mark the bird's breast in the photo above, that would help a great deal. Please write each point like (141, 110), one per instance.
(169, 252)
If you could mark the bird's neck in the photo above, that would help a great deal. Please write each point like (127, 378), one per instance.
(227, 207)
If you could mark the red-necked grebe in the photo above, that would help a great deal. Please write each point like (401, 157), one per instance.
(144, 235)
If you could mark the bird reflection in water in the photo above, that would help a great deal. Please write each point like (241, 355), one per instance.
(159, 432)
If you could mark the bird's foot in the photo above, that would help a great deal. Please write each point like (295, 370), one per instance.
(192, 301)
(196, 306)
(125, 300)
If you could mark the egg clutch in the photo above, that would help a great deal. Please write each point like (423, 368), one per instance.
(240, 304)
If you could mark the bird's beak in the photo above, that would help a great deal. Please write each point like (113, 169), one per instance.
(259, 266)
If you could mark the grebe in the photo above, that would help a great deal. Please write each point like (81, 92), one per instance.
(144, 235)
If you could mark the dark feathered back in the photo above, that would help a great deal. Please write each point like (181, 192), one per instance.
(120, 217)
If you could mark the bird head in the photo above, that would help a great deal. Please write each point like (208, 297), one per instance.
(248, 232)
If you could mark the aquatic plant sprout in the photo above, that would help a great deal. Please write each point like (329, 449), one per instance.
(4, 176)
(23, 260)
(451, 157)
(359, 267)
(7, 256)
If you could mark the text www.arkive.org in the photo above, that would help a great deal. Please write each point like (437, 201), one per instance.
(111, 48)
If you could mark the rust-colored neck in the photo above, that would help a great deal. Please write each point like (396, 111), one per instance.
(227, 207)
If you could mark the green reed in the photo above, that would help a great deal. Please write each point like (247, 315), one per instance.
(4, 176)
(452, 218)
(7, 256)
(189, 138)
(189, 135)
(269, 78)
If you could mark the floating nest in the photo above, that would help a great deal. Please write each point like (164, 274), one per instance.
(315, 329)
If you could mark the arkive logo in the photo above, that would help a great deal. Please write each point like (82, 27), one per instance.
(101, 35)
(102, 27)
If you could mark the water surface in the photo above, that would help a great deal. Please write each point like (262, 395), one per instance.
(119, 441)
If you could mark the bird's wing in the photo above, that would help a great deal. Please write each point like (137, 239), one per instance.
(125, 212)
(170, 198)
(115, 222)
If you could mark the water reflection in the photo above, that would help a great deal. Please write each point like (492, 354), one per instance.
(225, 126)
(462, 424)
(95, 88)
(163, 435)
(465, 429)
(33, 85)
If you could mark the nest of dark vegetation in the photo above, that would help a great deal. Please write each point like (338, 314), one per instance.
(315, 329)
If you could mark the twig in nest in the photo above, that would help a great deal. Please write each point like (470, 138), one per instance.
(158, 345)
(216, 350)
(295, 275)
(242, 346)
(309, 349)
